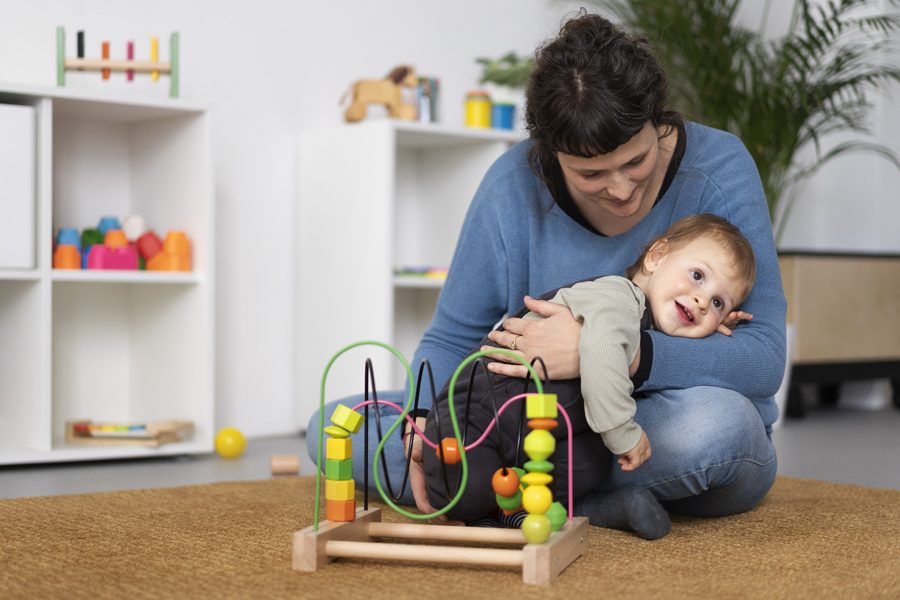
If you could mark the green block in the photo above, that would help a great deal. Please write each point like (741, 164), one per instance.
(339, 470)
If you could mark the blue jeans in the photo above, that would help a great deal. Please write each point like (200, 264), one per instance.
(712, 455)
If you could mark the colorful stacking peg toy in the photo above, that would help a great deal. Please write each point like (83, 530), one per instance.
(175, 254)
(340, 502)
(114, 254)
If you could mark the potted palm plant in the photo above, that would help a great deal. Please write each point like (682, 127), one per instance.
(782, 95)
(504, 79)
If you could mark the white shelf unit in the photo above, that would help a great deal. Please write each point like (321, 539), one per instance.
(111, 346)
(373, 197)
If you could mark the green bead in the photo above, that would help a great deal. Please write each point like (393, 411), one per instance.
(520, 472)
(536, 528)
(509, 502)
(557, 515)
(539, 466)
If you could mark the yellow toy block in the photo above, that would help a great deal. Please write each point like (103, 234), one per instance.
(340, 510)
(540, 406)
(346, 417)
(339, 489)
(338, 449)
(336, 432)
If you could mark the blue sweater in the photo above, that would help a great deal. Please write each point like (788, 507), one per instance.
(515, 241)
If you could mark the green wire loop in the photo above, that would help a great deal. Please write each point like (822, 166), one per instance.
(402, 418)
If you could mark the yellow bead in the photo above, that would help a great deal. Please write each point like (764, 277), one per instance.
(338, 449)
(537, 479)
(539, 444)
(230, 442)
(537, 499)
(336, 432)
(540, 406)
(346, 417)
(339, 489)
(536, 528)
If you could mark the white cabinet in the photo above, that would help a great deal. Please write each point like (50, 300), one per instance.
(111, 346)
(374, 197)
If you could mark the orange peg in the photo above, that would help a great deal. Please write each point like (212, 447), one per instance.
(105, 51)
(451, 451)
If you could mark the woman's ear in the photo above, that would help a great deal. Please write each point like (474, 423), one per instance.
(655, 255)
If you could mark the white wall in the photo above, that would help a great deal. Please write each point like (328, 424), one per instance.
(268, 69)
(272, 67)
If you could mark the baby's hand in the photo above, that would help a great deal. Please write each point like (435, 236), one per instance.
(637, 456)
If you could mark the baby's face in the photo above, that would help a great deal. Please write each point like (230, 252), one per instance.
(692, 289)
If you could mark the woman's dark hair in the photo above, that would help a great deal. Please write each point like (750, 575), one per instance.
(592, 89)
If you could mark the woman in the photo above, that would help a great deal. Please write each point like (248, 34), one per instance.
(606, 169)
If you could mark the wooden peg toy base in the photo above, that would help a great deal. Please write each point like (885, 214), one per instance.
(541, 564)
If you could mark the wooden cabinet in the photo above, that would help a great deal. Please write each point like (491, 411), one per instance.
(375, 197)
(112, 346)
(845, 310)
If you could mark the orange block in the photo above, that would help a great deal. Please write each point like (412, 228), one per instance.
(340, 510)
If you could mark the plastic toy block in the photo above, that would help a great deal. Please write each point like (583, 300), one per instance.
(89, 237)
(66, 257)
(343, 489)
(340, 510)
(540, 406)
(134, 227)
(338, 470)
(104, 257)
(149, 245)
(338, 449)
(115, 238)
(349, 419)
(107, 223)
(175, 254)
(68, 236)
(336, 432)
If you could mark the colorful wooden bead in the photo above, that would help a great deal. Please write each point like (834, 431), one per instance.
(539, 444)
(510, 502)
(543, 424)
(339, 489)
(450, 449)
(346, 417)
(336, 432)
(536, 528)
(557, 515)
(340, 510)
(537, 499)
(338, 469)
(338, 449)
(537, 478)
(540, 406)
(541, 466)
(505, 482)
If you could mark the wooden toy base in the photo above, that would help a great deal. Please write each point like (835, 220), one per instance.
(541, 564)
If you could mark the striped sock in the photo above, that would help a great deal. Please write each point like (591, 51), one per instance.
(513, 521)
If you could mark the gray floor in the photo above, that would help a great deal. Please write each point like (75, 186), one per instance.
(842, 445)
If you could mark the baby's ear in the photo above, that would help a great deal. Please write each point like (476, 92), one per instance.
(655, 254)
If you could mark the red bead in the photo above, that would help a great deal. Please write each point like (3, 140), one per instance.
(505, 482)
(451, 451)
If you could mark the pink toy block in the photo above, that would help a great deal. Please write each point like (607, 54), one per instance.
(123, 258)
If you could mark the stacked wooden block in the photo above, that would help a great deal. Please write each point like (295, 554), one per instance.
(340, 499)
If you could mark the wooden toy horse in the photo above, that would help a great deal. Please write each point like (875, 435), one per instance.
(387, 91)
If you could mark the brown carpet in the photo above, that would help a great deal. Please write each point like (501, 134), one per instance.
(809, 539)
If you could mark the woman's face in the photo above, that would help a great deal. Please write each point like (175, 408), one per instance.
(611, 190)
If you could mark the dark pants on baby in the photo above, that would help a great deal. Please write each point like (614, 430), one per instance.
(591, 459)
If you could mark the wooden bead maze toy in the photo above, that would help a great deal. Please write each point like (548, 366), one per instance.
(550, 538)
(105, 65)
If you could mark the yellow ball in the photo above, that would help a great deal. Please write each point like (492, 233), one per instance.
(536, 528)
(537, 499)
(230, 442)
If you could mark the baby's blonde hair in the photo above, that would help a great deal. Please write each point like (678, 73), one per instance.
(688, 229)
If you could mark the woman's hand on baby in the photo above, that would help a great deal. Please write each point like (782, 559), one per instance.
(732, 320)
(554, 338)
(637, 456)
